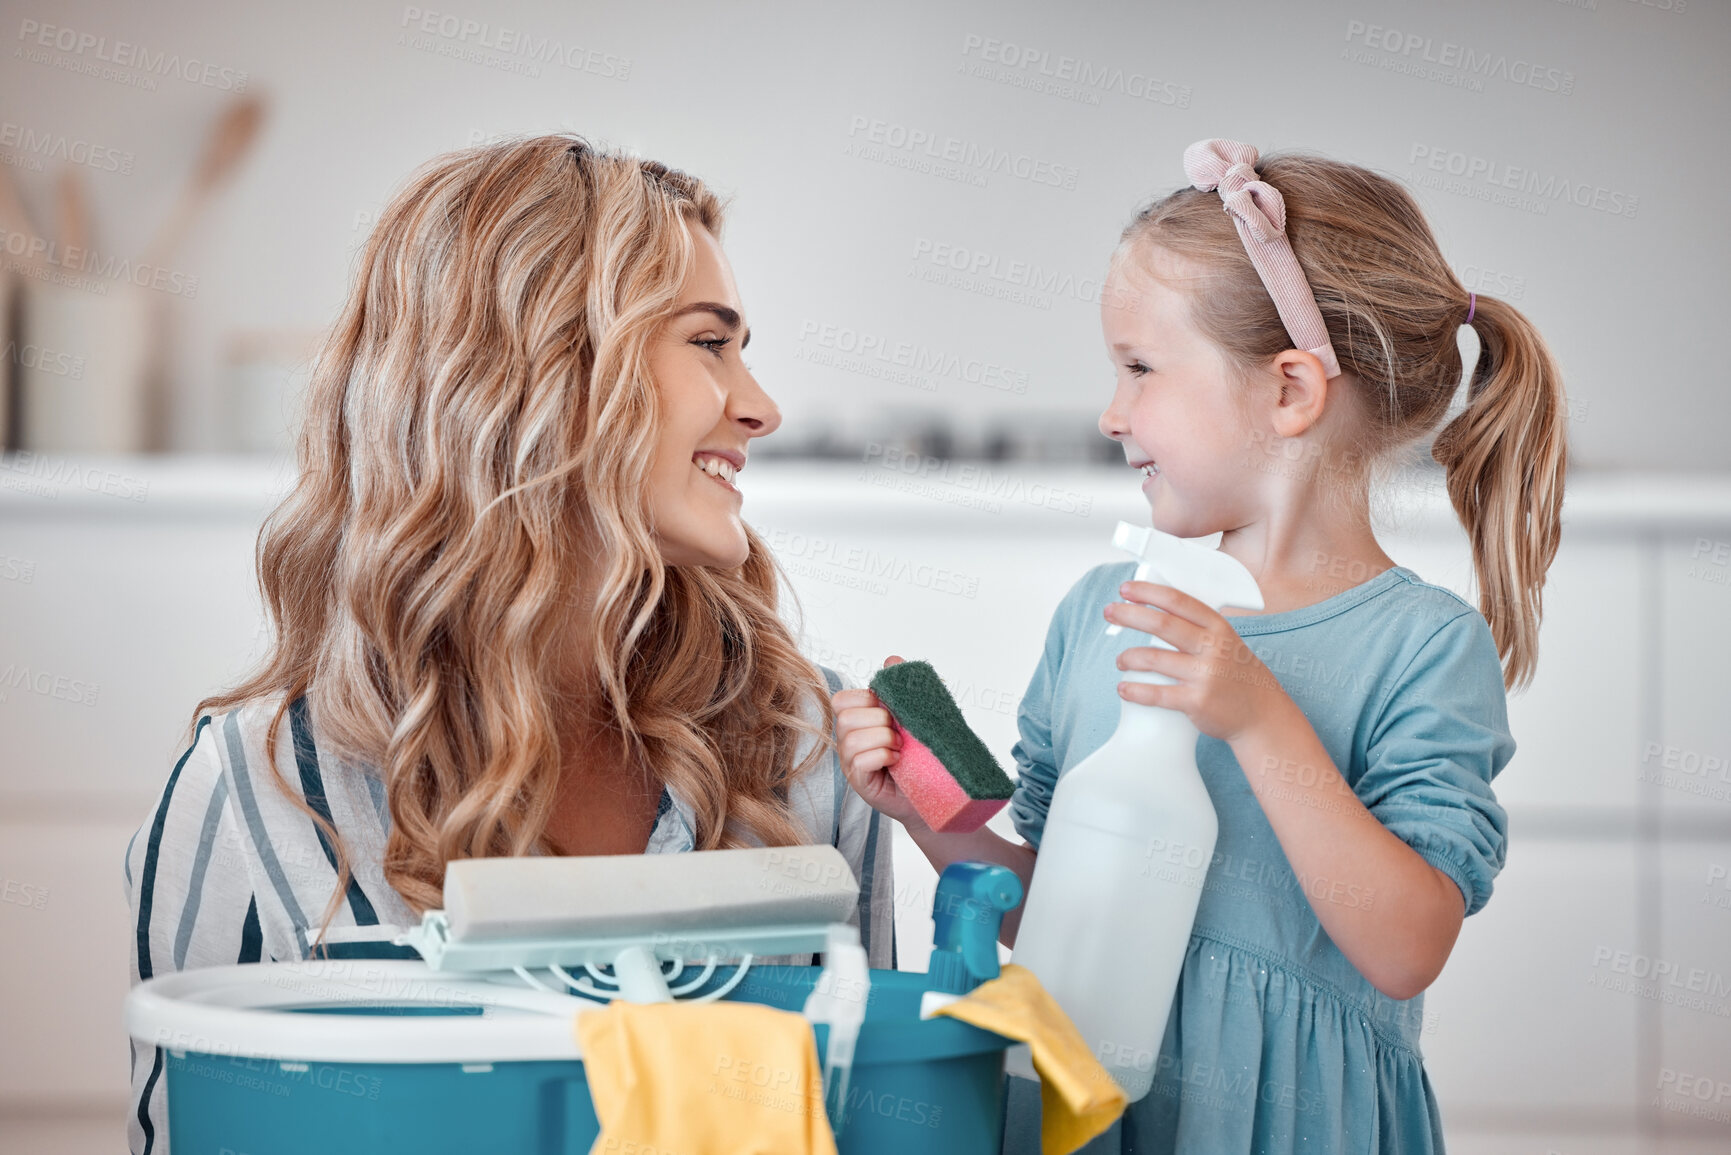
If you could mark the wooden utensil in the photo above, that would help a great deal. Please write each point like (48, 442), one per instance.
(14, 219)
(229, 141)
(74, 214)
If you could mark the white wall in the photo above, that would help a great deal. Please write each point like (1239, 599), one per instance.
(762, 99)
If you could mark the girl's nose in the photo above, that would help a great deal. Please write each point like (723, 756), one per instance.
(1112, 423)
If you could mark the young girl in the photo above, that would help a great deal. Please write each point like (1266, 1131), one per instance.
(1280, 331)
(516, 608)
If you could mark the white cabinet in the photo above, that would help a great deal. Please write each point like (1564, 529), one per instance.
(1535, 1041)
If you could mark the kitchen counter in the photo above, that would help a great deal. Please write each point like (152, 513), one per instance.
(886, 490)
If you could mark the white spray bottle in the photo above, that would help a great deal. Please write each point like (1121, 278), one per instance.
(1127, 843)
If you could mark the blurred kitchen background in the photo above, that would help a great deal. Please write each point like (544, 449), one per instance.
(184, 188)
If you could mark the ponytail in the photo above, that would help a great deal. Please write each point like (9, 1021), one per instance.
(1504, 458)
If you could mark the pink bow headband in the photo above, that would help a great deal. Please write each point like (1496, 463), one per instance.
(1260, 214)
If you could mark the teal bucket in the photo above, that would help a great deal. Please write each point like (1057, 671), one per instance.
(254, 1066)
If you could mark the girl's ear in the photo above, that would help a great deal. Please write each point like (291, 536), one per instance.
(1303, 391)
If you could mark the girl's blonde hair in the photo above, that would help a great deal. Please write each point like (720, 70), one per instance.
(1393, 306)
(479, 432)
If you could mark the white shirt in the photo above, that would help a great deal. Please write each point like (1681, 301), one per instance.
(227, 869)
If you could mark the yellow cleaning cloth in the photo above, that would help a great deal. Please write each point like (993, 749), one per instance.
(704, 1079)
(1078, 1097)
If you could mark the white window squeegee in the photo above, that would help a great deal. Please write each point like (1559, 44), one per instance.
(647, 917)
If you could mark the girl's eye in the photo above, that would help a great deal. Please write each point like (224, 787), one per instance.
(1137, 368)
(714, 344)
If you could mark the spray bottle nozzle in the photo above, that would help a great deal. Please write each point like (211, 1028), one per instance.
(1205, 574)
(971, 900)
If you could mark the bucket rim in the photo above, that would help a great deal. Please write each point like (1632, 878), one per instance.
(238, 1011)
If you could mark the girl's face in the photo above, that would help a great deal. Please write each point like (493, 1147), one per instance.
(1174, 404)
(711, 408)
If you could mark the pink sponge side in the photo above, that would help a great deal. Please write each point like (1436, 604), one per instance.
(937, 797)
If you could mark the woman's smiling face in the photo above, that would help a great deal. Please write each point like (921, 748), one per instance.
(1174, 402)
(711, 408)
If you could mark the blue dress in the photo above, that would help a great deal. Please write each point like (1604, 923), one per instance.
(1275, 1042)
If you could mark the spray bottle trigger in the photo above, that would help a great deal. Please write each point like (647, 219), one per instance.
(1202, 572)
(1133, 540)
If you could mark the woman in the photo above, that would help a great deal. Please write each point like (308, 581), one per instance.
(516, 609)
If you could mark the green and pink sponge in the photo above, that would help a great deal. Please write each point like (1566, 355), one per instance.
(945, 771)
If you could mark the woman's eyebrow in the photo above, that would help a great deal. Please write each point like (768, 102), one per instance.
(727, 316)
(723, 313)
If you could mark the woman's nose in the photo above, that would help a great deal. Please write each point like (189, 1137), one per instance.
(753, 408)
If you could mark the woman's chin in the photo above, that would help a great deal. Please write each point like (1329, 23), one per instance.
(718, 554)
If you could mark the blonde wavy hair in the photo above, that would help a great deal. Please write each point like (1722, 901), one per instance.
(479, 430)
(1392, 306)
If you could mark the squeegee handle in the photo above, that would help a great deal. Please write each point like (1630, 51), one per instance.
(638, 972)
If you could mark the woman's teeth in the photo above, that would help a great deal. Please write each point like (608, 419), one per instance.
(716, 467)
(1150, 469)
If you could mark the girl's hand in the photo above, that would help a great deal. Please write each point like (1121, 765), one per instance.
(1221, 684)
(867, 745)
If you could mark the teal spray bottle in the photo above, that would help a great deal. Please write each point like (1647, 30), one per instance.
(1127, 844)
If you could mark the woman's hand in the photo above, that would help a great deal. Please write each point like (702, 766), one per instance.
(867, 744)
(1221, 684)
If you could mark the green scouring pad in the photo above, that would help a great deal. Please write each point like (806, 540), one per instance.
(945, 770)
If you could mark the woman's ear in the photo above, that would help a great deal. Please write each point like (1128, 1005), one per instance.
(1303, 391)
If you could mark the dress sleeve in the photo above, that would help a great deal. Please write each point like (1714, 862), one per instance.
(191, 904)
(1036, 763)
(1441, 736)
(865, 838)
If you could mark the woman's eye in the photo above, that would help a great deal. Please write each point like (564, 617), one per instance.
(714, 344)
(1137, 368)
